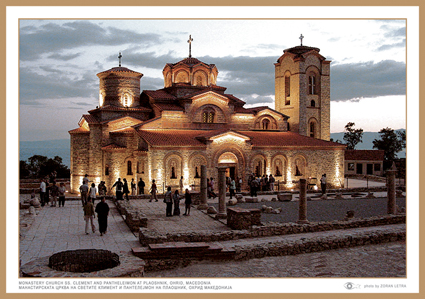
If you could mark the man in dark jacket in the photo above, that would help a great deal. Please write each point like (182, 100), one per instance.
(102, 210)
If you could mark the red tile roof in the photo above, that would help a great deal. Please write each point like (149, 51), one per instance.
(159, 137)
(191, 61)
(116, 108)
(123, 131)
(287, 139)
(90, 119)
(235, 99)
(119, 69)
(168, 106)
(79, 130)
(364, 155)
(159, 94)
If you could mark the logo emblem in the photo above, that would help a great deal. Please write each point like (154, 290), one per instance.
(351, 286)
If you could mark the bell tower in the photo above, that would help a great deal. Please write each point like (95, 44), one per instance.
(302, 90)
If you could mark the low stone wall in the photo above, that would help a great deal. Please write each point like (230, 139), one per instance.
(316, 244)
(133, 218)
(147, 236)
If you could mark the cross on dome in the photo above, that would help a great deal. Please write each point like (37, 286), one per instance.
(119, 57)
(301, 38)
(190, 40)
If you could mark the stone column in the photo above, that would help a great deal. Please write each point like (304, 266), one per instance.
(391, 207)
(221, 193)
(302, 209)
(203, 205)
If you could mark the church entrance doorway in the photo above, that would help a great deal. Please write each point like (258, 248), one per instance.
(230, 161)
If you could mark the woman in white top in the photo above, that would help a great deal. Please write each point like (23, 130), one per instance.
(92, 192)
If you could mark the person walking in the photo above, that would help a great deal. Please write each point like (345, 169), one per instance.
(323, 183)
(238, 184)
(271, 180)
(54, 192)
(141, 185)
(169, 203)
(102, 210)
(84, 190)
(125, 189)
(62, 190)
(42, 192)
(86, 179)
(88, 216)
(153, 191)
(133, 187)
(102, 189)
(176, 202)
(92, 193)
(118, 190)
(187, 202)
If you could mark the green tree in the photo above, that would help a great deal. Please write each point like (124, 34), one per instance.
(352, 136)
(41, 166)
(390, 142)
(23, 169)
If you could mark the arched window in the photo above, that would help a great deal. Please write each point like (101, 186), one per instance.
(129, 170)
(208, 116)
(287, 90)
(312, 84)
(265, 124)
(312, 129)
(313, 103)
(173, 173)
(199, 81)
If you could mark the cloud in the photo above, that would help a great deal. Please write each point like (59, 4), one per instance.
(35, 87)
(386, 47)
(368, 79)
(53, 38)
(64, 57)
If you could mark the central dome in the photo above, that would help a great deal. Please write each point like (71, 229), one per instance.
(190, 71)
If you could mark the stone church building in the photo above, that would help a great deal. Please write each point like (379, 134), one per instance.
(168, 133)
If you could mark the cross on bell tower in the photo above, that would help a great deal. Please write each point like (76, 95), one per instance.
(119, 57)
(190, 40)
(301, 39)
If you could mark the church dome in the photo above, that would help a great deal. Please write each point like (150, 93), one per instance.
(190, 71)
(120, 87)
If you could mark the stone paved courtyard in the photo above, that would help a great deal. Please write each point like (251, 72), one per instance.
(383, 260)
(57, 229)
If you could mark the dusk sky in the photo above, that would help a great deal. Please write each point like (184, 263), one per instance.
(59, 60)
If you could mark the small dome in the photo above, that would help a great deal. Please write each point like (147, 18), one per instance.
(120, 70)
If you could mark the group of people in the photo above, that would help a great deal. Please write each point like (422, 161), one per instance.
(171, 199)
(261, 183)
(51, 193)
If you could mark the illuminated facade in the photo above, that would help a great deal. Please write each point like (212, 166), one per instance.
(168, 133)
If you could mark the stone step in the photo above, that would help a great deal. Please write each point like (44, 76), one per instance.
(174, 250)
(179, 246)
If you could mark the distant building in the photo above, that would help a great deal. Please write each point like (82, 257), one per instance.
(168, 133)
(370, 162)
